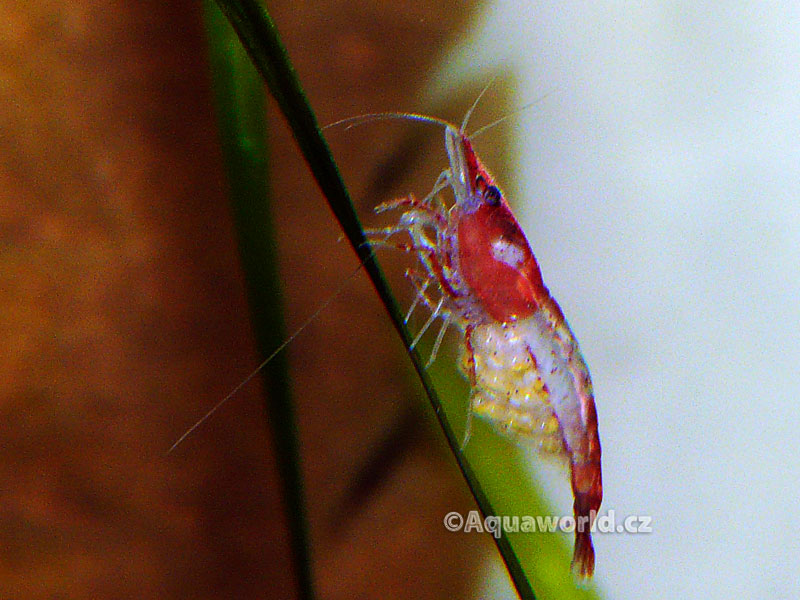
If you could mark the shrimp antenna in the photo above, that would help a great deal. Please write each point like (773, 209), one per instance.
(388, 116)
(267, 360)
(409, 116)
(474, 105)
(513, 113)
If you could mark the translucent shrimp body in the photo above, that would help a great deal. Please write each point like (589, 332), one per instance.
(527, 376)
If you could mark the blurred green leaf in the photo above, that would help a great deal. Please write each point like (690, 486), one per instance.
(239, 95)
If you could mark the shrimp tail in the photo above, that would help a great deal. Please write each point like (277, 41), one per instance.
(588, 490)
(583, 555)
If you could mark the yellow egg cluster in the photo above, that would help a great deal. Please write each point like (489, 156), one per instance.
(509, 391)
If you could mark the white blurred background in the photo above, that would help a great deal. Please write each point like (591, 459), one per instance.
(659, 185)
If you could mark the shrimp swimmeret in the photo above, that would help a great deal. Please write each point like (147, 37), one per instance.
(527, 375)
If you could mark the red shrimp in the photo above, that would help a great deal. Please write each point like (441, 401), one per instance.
(527, 375)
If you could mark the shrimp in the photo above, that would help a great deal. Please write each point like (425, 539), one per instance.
(527, 375)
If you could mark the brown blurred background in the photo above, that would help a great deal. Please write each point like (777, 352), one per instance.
(123, 318)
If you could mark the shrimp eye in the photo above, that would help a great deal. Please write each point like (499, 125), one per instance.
(492, 196)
